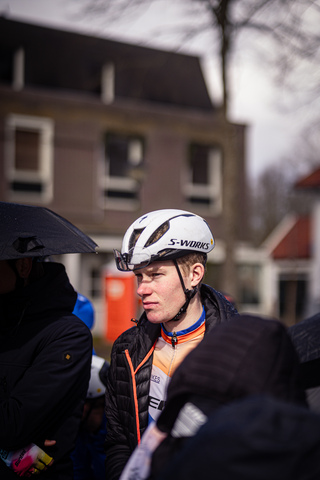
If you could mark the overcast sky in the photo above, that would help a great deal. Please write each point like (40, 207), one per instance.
(270, 135)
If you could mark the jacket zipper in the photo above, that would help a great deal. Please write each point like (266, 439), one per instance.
(174, 340)
(134, 386)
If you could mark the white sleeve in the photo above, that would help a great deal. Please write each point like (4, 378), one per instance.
(138, 465)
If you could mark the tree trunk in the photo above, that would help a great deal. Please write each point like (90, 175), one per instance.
(230, 196)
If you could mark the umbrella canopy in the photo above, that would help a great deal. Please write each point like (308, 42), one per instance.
(32, 231)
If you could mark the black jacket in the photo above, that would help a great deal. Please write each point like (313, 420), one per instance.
(255, 438)
(129, 380)
(45, 360)
(248, 358)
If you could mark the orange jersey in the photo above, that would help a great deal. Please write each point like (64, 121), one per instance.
(170, 350)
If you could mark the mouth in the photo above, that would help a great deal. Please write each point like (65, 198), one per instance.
(148, 305)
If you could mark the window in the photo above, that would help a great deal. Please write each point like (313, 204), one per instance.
(18, 69)
(95, 278)
(249, 276)
(12, 67)
(29, 158)
(6, 66)
(204, 182)
(123, 168)
(293, 289)
(107, 83)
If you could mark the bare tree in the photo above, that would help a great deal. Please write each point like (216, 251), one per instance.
(273, 194)
(269, 201)
(305, 155)
(283, 32)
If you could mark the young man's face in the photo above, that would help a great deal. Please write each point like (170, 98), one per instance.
(161, 292)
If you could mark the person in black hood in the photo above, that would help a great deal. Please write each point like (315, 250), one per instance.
(235, 411)
(45, 360)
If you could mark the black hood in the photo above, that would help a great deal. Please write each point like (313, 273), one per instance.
(38, 298)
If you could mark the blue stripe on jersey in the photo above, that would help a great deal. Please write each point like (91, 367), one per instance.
(190, 329)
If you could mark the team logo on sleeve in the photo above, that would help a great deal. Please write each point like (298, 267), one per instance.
(67, 357)
(155, 378)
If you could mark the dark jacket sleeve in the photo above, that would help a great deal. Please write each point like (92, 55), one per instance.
(117, 445)
(51, 387)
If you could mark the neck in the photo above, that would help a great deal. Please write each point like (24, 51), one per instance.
(192, 314)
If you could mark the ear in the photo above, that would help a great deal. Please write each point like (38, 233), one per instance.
(197, 273)
(24, 266)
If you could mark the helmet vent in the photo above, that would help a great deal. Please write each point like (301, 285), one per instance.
(134, 237)
(158, 234)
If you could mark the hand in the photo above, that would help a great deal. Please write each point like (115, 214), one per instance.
(28, 461)
(49, 443)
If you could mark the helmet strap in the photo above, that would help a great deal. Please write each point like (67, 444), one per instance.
(188, 293)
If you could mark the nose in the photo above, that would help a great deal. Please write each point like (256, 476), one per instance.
(143, 288)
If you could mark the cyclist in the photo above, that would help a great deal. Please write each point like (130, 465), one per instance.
(167, 251)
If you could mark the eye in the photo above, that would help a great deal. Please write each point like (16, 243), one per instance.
(156, 274)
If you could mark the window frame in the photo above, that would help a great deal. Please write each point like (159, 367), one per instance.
(44, 174)
(122, 185)
(212, 191)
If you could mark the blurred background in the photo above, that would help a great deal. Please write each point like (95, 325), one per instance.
(110, 109)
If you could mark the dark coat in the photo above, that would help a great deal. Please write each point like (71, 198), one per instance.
(45, 360)
(246, 357)
(129, 381)
(256, 438)
(306, 339)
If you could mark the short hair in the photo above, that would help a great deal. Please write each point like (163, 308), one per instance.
(190, 259)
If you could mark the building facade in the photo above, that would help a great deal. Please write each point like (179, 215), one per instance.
(102, 131)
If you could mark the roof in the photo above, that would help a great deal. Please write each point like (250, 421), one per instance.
(296, 243)
(59, 59)
(310, 181)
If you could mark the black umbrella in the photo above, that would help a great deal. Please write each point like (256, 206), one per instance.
(31, 231)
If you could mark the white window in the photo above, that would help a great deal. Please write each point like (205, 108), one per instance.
(203, 187)
(123, 170)
(29, 158)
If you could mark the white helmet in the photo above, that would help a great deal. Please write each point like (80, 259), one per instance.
(181, 232)
(97, 382)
